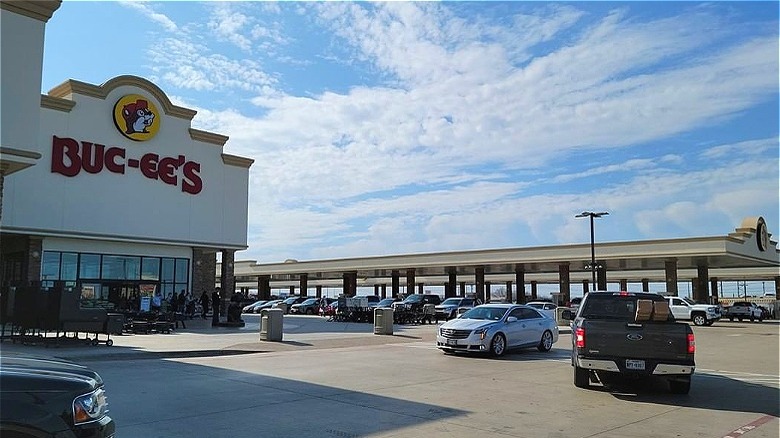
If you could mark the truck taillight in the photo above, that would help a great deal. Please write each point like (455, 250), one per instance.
(579, 334)
(691, 344)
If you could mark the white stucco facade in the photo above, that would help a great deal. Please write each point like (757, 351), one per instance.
(127, 205)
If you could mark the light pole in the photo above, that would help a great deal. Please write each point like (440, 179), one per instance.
(592, 215)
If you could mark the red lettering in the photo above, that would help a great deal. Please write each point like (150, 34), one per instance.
(91, 161)
(191, 182)
(149, 165)
(62, 148)
(167, 171)
(68, 158)
(111, 164)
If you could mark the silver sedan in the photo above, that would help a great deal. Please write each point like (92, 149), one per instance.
(496, 328)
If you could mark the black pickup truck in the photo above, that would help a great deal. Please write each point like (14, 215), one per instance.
(630, 334)
(48, 397)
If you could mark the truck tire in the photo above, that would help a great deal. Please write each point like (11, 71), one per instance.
(581, 377)
(681, 385)
(699, 319)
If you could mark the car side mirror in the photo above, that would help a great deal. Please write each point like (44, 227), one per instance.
(567, 314)
(511, 319)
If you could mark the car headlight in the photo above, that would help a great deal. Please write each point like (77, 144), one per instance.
(481, 332)
(90, 407)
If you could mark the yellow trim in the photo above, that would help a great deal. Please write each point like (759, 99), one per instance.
(38, 10)
(208, 137)
(20, 153)
(57, 104)
(233, 160)
(70, 87)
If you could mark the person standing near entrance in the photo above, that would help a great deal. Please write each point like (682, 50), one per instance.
(204, 304)
(215, 301)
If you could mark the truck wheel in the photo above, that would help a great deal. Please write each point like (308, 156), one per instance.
(680, 386)
(581, 377)
(498, 345)
(699, 319)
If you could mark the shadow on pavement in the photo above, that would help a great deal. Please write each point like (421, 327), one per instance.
(192, 400)
(708, 391)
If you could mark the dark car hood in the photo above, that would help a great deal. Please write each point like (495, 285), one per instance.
(22, 372)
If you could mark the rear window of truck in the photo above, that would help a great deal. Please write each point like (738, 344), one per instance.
(613, 307)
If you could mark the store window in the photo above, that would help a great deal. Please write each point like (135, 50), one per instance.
(90, 266)
(150, 268)
(50, 268)
(121, 267)
(69, 266)
(110, 280)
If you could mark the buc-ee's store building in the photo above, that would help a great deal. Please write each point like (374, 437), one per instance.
(121, 198)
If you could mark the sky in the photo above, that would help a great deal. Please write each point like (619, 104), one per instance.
(414, 127)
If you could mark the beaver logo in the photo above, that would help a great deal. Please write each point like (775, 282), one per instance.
(136, 117)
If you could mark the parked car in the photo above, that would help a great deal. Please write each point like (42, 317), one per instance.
(417, 300)
(373, 301)
(630, 334)
(497, 328)
(387, 302)
(250, 308)
(41, 396)
(744, 310)
(267, 305)
(290, 301)
(547, 308)
(685, 309)
(448, 308)
(310, 306)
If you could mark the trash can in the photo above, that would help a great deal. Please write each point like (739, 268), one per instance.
(383, 321)
(271, 321)
(282, 307)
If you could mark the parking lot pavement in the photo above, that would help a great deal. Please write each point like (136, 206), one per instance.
(347, 382)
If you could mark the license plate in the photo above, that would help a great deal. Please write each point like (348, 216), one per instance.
(633, 364)
(452, 342)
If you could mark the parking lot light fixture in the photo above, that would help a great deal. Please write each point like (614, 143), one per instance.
(592, 215)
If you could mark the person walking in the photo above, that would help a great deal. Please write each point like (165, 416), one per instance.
(204, 304)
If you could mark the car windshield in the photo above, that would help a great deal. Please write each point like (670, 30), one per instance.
(386, 302)
(416, 298)
(451, 302)
(536, 305)
(485, 312)
(689, 301)
(310, 302)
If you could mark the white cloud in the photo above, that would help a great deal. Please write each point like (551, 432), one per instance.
(150, 13)
(737, 150)
(443, 154)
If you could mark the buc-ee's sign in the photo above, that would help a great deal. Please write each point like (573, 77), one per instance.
(136, 118)
(69, 157)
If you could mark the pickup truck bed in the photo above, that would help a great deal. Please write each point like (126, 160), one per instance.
(609, 337)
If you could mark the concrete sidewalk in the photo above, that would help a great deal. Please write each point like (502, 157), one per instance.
(199, 338)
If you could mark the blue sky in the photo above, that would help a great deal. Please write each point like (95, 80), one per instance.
(416, 127)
